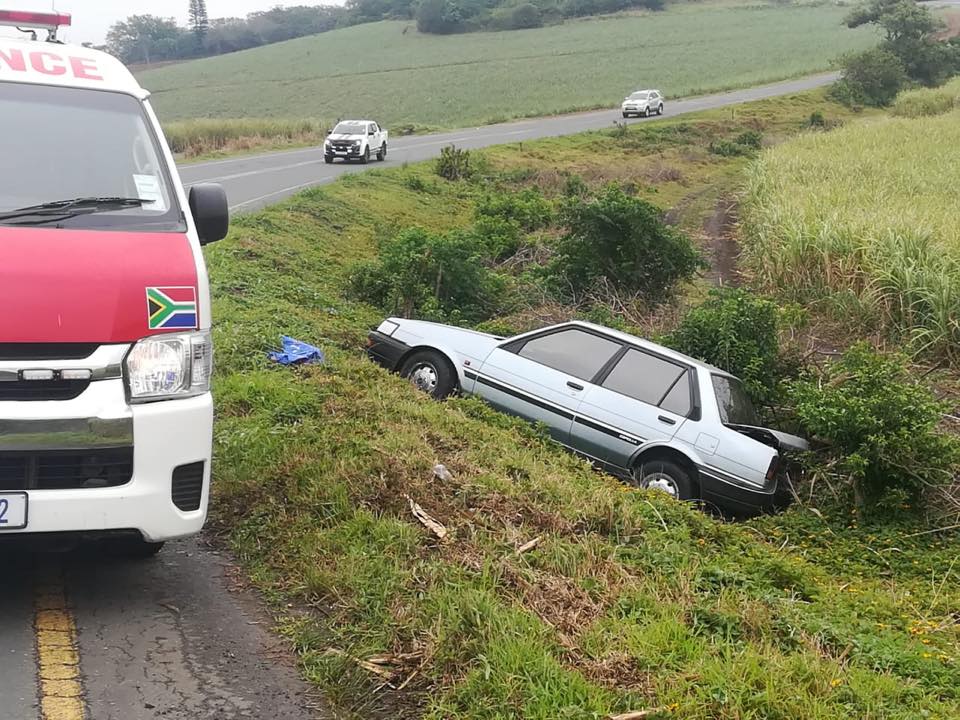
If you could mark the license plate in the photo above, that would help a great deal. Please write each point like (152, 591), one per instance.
(13, 511)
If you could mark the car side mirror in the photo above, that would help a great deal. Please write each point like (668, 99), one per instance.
(211, 213)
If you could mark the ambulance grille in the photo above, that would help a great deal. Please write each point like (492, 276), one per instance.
(187, 488)
(66, 469)
(46, 351)
(27, 390)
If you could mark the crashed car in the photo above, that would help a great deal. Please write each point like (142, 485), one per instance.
(650, 415)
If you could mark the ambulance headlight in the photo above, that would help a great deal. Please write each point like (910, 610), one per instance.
(169, 366)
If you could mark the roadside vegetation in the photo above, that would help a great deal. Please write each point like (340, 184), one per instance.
(497, 76)
(555, 591)
(204, 138)
(862, 221)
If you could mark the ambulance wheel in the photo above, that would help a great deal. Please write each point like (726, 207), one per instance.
(134, 548)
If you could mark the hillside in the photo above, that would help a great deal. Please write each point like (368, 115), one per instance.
(630, 602)
(389, 71)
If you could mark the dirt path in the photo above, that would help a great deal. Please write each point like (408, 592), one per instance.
(719, 236)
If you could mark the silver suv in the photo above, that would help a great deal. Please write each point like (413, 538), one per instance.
(642, 103)
(648, 414)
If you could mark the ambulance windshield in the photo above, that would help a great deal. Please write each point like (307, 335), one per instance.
(59, 144)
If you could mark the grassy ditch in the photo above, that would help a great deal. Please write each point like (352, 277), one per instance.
(626, 601)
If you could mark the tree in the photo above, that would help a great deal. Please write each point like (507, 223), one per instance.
(873, 77)
(145, 39)
(199, 20)
(910, 34)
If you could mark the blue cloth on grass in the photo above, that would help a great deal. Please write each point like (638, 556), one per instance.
(295, 352)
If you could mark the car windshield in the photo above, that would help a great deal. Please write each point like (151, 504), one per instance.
(350, 128)
(63, 144)
(639, 96)
(734, 404)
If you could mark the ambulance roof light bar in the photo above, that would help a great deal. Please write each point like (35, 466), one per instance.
(50, 22)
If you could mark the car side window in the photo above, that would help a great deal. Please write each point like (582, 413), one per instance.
(646, 377)
(575, 352)
(677, 400)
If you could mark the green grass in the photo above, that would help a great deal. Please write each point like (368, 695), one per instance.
(392, 73)
(210, 137)
(865, 217)
(629, 602)
(928, 101)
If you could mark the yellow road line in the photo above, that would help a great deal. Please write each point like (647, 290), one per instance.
(58, 659)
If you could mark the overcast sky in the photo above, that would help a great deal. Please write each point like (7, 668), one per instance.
(92, 18)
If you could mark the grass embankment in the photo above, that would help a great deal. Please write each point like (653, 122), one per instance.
(865, 218)
(629, 601)
(209, 137)
(390, 72)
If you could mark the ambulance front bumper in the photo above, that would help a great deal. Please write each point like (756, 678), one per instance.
(96, 464)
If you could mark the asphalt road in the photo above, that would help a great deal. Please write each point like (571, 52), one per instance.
(255, 181)
(86, 636)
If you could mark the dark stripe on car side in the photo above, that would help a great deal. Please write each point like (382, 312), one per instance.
(520, 395)
(606, 430)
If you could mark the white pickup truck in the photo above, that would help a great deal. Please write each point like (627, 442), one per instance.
(355, 140)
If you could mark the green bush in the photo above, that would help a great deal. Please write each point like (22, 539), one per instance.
(500, 237)
(816, 120)
(735, 331)
(873, 78)
(528, 208)
(926, 102)
(424, 274)
(882, 426)
(526, 16)
(622, 242)
(454, 163)
(746, 143)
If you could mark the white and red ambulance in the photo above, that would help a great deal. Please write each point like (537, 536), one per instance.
(106, 417)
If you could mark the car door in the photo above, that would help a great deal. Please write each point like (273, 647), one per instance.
(543, 377)
(643, 397)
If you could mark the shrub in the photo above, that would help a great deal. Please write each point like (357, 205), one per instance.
(526, 16)
(425, 274)
(439, 17)
(926, 102)
(528, 208)
(873, 77)
(816, 120)
(746, 143)
(623, 242)
(500, 237)
(882, 425)
(735, 331)
(453, 163)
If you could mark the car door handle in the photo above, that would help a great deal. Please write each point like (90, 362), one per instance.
(667, 420)
(574, 386)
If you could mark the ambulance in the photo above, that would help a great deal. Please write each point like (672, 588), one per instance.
(106, 417)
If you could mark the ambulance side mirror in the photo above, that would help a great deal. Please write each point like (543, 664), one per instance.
(211, 214)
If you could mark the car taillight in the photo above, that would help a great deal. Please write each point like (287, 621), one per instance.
(34, 19)
(772, 470)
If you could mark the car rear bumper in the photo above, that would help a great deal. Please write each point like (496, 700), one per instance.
(741, 500)
(385, 351)
(167, 494)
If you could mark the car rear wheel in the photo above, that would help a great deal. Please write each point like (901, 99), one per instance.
(430, 372)
(667, 477)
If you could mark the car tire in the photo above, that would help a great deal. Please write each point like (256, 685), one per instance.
(328, 159)
(365, 158)
(645, 113)
(133, 548)
(430, 372)
(660, 109)
(667, 477)
(382, 154)
(626, 115)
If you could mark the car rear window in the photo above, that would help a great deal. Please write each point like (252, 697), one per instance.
(733, 402)
(644, 377)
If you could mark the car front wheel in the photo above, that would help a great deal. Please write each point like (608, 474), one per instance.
(430, 372)
(660, 109)
(667, 477)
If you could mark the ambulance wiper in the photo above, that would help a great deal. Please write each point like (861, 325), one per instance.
(65, 209)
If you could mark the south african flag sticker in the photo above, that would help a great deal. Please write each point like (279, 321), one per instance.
(172, 308)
